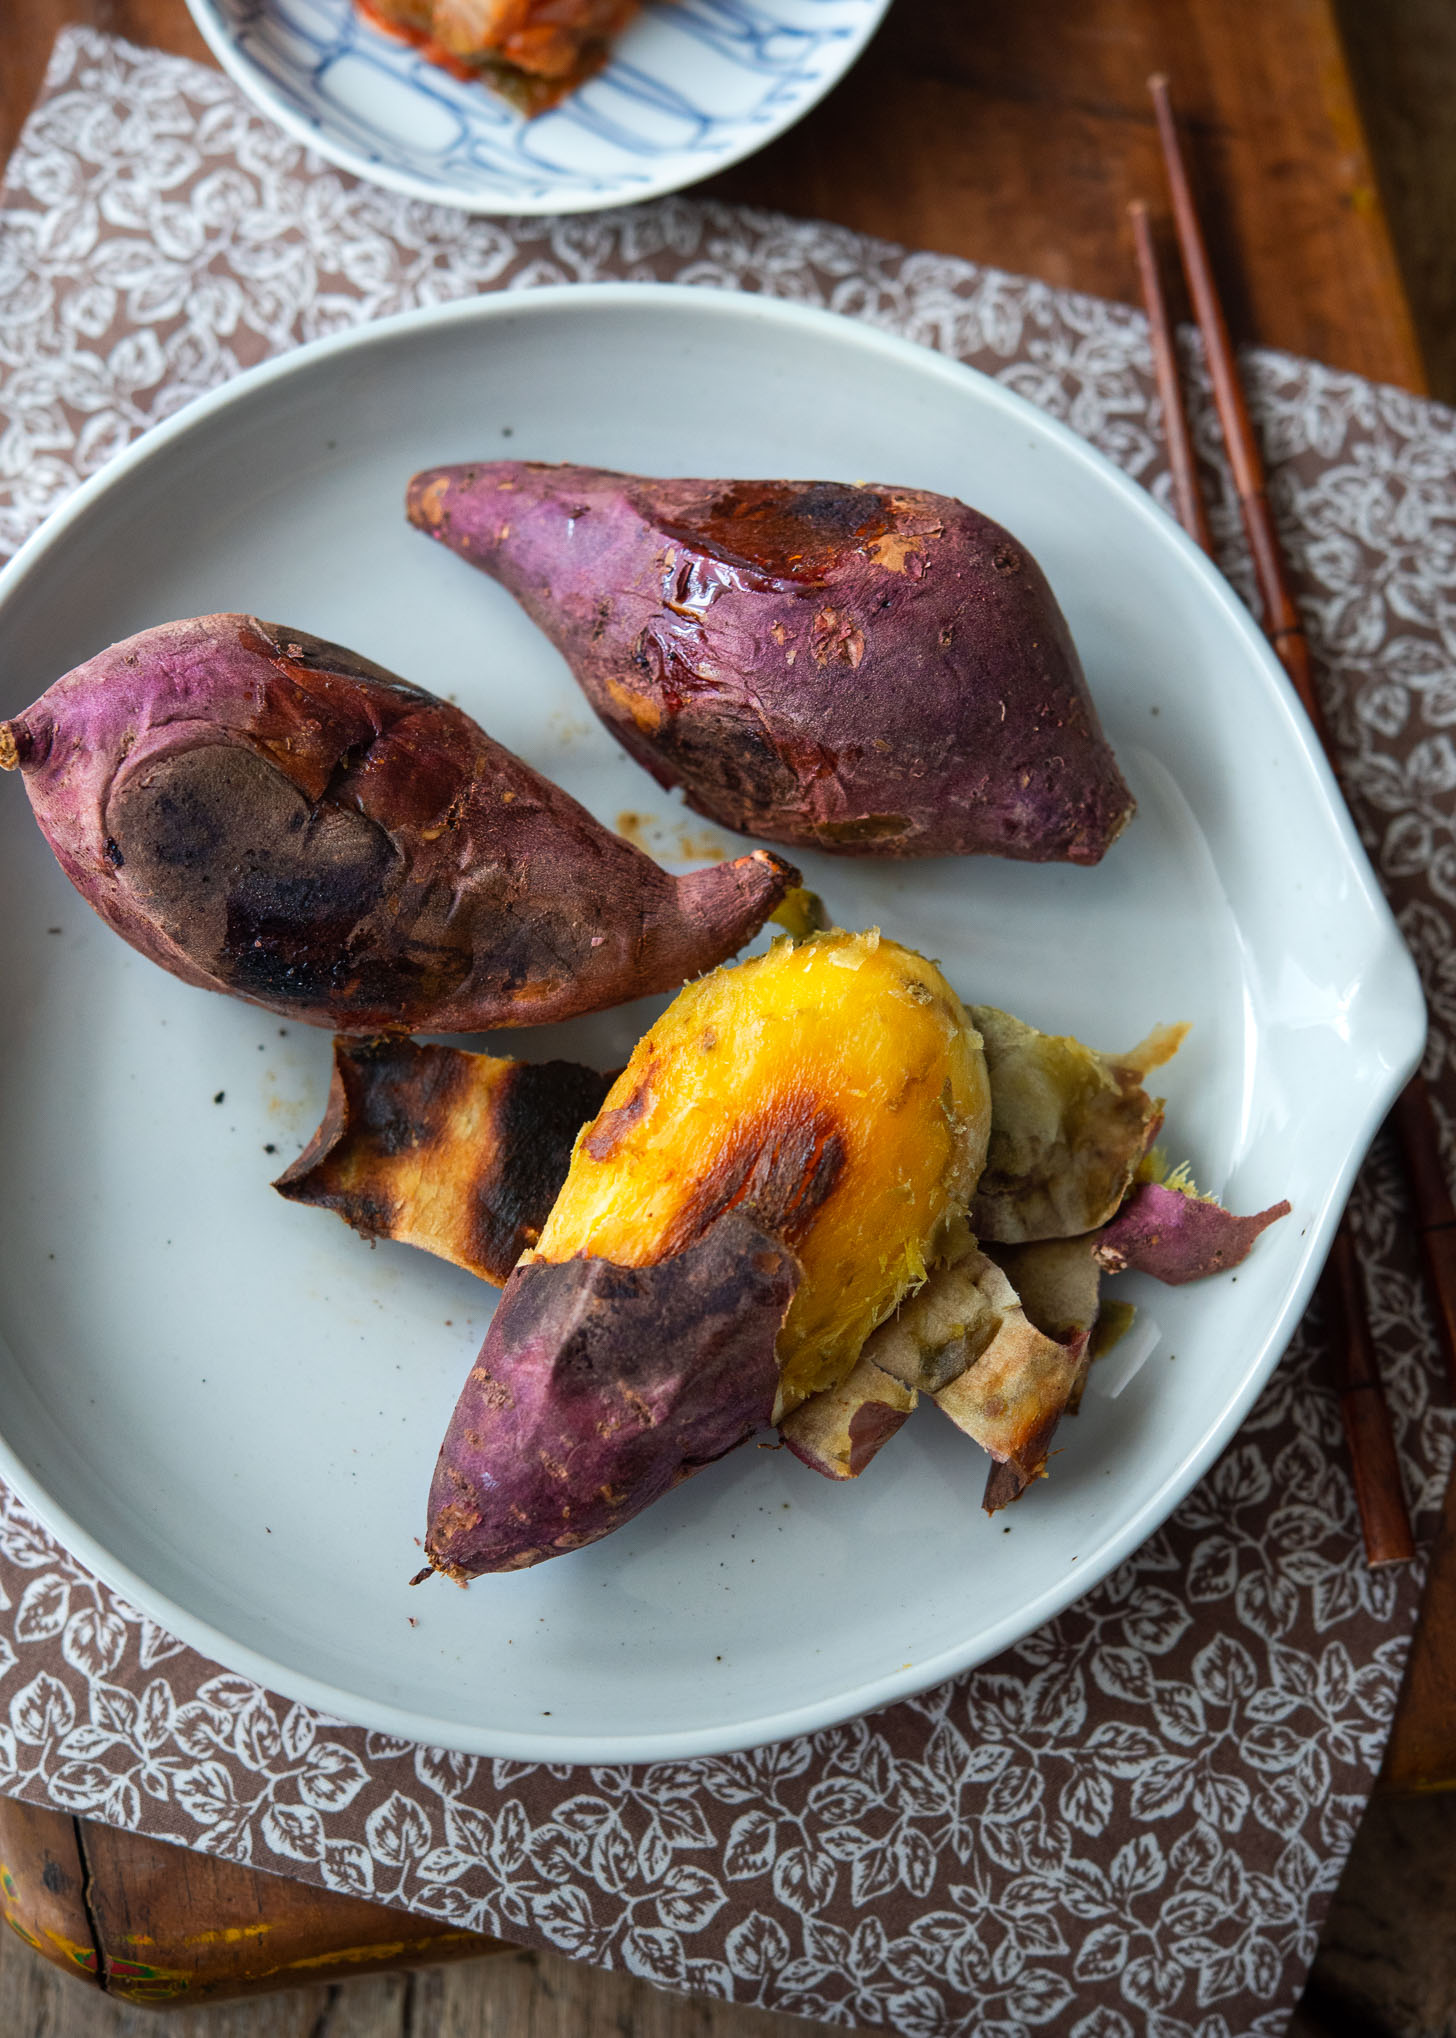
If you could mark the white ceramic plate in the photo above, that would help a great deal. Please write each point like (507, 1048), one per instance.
(692, 86)
(230, 1407)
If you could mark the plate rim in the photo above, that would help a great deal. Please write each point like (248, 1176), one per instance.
(1399, 983)
(265, 95)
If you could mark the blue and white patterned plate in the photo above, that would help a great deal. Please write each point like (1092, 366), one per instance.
(693, 85)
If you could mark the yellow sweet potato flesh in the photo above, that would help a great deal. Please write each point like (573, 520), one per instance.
(837, 1090)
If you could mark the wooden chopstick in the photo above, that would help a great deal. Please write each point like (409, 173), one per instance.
(1415, 1120)
(1281, 614)
(1187, 499)
(1375, 1467)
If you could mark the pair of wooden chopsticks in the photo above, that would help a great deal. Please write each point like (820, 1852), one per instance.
(1375, 1467)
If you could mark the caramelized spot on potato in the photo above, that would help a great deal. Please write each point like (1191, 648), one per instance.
(779, 1167)
(787, 529)
(612, 1126)
(844, 1105)
(433, 500)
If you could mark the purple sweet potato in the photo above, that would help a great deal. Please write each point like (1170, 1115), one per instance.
(872, 670)
(1177, 1236)
(599, 1387)
(267, 814)
(828, 1099)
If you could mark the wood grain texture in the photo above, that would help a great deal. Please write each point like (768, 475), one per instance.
(1386, 1967)
(518, 1995)
(43, 1888)
(1402, 56)
(37, 2001)
(1017, 136)
(540, 1995)
(177, 1928)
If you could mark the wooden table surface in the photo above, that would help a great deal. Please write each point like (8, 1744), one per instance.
(1016, 135)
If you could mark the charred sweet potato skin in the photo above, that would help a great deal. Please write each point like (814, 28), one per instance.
(598, 1388)
(460, 1154)
(868, 670)
(837, 1090)
(266, 814)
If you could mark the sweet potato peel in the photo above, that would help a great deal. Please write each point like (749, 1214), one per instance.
(1177, 1236)
(1059, 1282)
(839, 1431)
(599, 1387)
(460, 1154)
(1069, 1127)
(267, 814)
(965, 1340)
(871, 670)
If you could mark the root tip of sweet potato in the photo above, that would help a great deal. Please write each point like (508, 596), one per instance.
(428, 1571)
(14, 746)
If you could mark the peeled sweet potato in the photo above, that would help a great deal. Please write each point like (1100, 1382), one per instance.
(822, 1113)
(872, 670)
(837, 1090)
(1069, 1128)
(461, 1154)
(267, 814)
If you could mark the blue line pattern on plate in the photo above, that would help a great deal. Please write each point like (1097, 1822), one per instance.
(691, 83)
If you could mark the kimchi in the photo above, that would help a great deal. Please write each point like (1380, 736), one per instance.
(532, 51)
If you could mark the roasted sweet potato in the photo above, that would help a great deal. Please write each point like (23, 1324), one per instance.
(1069, 1127)
(598, 1387)
(822, 1112)
(871, 670)
(461, 1154)
(267, 814)
(837, 1090)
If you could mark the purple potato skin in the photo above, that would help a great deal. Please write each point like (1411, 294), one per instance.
(598, 1388)
(1178, 1238)
(267, 814)
(871, 670)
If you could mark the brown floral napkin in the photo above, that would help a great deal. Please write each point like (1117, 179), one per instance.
(1132, 1822)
